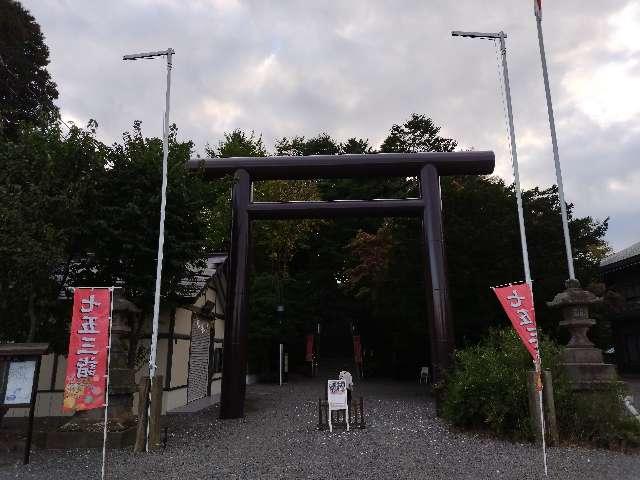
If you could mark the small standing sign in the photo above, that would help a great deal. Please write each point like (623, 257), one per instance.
(337, 399)
(19, 372)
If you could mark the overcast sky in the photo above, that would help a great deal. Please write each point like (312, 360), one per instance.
(354, 68)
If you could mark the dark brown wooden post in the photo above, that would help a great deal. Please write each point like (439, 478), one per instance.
(439, 310)
(235, 328)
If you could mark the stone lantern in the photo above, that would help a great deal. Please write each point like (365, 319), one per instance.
(583, 362)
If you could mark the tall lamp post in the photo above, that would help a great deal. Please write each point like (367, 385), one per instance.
(500, 36)
(163, 203)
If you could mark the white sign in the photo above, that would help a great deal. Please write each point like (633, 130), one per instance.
(20, 382)
(337, 399)
(337, 394)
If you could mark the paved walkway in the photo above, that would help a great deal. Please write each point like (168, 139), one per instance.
(278, 440)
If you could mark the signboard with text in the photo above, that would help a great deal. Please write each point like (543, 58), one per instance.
(84, 386)
(19, 384)
(337, 394)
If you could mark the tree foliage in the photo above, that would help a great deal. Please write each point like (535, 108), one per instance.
(125, 224)
(27, 91)
(48, 186)
(487, 391)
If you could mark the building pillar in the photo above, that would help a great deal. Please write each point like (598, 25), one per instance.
(440, 321)
(235, 328)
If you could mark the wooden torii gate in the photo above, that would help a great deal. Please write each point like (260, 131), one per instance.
(427, 167)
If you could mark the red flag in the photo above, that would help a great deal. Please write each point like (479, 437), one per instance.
(84, 386)
(517, 301)
(309, 353)
(537, 8)
(357, 349)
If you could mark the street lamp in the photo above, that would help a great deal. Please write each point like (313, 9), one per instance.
(163, 203)
(500, 36)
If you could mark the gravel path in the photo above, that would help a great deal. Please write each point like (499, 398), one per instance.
(278, 439)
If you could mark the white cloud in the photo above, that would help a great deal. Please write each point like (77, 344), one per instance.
(626, 29)
(355, 68)
(218, 115)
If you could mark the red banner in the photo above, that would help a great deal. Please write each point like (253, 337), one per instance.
(357, 349)
(517, 301)
(84, 386)
(309, 353)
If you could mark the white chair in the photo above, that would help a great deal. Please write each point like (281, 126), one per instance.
(424, 375)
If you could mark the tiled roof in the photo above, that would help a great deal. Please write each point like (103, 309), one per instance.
(192, 284)
(622, 255)
(196, 283)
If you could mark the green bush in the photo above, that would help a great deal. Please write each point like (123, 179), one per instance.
(487, 390)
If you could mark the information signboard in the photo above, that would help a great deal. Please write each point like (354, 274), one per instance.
(19, 372)
(337, 399)
(19, 383)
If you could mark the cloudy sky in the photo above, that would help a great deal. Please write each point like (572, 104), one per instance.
(354, 68)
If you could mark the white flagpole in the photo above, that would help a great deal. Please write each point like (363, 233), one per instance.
(106, 392)
(523, 236)
(554, 142)
(537, 363)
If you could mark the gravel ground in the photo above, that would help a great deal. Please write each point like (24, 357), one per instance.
(278, 439)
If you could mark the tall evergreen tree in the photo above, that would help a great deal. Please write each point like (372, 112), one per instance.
(27, 91)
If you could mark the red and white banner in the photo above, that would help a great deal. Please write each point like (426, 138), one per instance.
(357, 349)
(517, 301)
(85, 381)
(537, 8)
(309, 350)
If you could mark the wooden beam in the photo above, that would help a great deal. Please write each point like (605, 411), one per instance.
(347, 166)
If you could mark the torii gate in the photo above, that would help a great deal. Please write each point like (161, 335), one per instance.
(428, 167)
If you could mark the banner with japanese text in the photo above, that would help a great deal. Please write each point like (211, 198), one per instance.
(517, 301)
(357, 349)
(309, 349)
(84, 386)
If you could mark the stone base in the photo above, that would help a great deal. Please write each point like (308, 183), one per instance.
(581, 355)
(587, 376)
(54, 440)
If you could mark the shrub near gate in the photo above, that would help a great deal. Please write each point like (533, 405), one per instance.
(487, 390)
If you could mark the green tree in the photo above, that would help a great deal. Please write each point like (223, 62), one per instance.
(27, 92)
(125, 227)
(482, 243)
(47, 193)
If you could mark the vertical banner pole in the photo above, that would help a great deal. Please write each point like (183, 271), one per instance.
(106, 392)
(523, 236)
(554, 144)
(538, 366)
